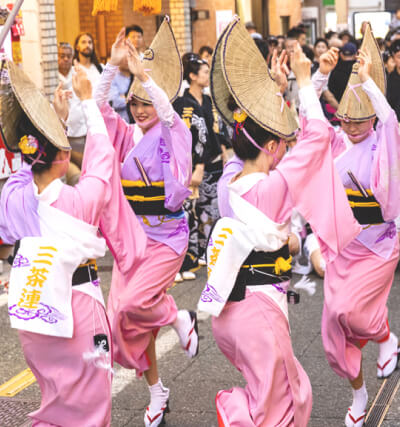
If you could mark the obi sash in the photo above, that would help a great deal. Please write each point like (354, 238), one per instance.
(262, 268)
(366, 210)
(232, 243)
(146, 199)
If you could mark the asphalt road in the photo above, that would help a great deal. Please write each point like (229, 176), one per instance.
(194, 383)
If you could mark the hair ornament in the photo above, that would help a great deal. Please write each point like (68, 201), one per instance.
(28, 144)
(239, 116)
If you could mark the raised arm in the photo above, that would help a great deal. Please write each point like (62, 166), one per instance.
(313, 182)
(158, 97)
(118, 53)
(385, 176)
(87, 199)
(381, 106)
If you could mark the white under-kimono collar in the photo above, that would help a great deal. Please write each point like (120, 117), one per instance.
(50, 194)
(244, 184)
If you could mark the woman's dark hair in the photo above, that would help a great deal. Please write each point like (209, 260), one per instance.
(93, 57)
(262, 47)
(308, 52)
(192, 64)
(242, 147)
(321, 40)
(25, 127)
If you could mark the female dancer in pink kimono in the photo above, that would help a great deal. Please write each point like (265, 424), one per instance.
(68, 351)
(252, 329)
(155, 157)
(358, 282)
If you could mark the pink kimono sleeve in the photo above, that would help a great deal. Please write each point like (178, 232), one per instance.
(88, 198)
(385, 179)
(317, 191)
(179, 142)
(119, 132)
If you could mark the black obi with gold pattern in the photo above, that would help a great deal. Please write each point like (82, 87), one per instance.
(146, 199)
(262, 268)
(366, 210)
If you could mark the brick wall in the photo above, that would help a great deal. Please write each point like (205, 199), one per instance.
(204, 31)
(47, 19)
(180, 22)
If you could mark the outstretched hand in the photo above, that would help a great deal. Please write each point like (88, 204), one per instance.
(364, 69)
(80, 83)
(134, 62)
(328, 60)
(301, 66)
(60, 102)
(119, 49)
(280, 69)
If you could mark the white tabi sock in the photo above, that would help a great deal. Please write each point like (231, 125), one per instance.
(158, 396)
(387, 351)
(183, 325)
(357, 409)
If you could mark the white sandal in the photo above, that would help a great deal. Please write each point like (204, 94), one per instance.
(350, 421)
(156, 419)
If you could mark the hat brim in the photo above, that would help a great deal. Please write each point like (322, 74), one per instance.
(251, 85)
(20, 95)
(162, 62)
(355, 104)
(219, 90)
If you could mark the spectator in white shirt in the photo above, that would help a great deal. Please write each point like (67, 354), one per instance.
(65, 56)
(85, 54)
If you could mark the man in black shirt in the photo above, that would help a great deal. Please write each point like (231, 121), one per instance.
(393, 86)
(340, 75)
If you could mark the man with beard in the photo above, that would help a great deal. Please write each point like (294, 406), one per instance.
(85, 54)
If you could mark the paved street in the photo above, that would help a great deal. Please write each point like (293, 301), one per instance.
(194, 383)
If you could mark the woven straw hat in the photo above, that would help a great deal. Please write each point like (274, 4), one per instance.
(355, 104)
(163, 64)
(18, 95)
(220, 93)
(240, 70)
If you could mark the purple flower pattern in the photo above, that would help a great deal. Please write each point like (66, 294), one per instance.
(46, 313)
(390, 233)
(210, 294)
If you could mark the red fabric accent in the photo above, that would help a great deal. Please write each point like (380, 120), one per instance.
(219, 418)
(388, 334)
(363, 343)
(154, 418)
(188, 345)
(355, 421)
(147, 359)
(387, 361)
(155, 332)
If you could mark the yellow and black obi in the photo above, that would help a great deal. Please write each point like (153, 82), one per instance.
(262, 268)
(146, 199)
(366, 210)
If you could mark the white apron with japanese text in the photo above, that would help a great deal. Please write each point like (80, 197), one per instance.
(41, 276)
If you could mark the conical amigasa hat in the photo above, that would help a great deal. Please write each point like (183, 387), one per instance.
(163, 64)
(18, 95)
(355, 104)
(240, 70)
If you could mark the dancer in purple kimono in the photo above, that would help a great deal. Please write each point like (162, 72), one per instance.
(60, 313)
(155, 169)
(358, 282)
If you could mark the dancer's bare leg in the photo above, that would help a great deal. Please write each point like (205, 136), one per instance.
(151, 374)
